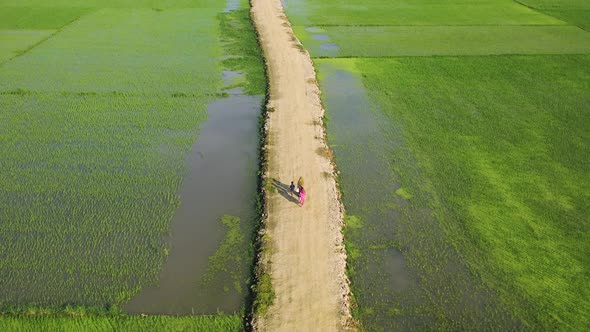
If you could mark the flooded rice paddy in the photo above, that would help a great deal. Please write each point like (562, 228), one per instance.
(197, 278)
(319, 43)
(119, 191)
(405, 274)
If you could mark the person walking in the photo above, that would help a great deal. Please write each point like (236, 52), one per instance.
(301, 196)
(292, 189)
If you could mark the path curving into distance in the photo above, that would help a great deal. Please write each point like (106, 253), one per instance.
(307, 257)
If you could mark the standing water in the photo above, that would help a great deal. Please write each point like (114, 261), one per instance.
(208, 265)
(405, 275)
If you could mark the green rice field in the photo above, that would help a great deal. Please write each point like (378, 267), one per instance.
(101, 103)
(123, 323)
(386, 41)
(575, 12)
(421, 12)
(462, 144)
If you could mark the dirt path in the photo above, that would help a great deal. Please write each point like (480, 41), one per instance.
(307, 257)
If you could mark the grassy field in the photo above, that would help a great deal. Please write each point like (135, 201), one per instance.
(100, 103)
(472, 216)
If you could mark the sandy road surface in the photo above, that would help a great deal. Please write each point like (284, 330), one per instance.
(307, 258)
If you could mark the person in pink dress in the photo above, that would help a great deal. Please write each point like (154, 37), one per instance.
(301, 196)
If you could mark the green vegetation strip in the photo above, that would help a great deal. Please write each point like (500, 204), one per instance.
(229, 258)
(376, 12)
(500, 157)
(443, 40)
(239, 39)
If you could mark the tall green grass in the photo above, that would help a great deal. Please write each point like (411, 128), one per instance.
(239, 41)
(96, 123)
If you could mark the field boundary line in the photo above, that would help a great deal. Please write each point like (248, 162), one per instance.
(43, 40)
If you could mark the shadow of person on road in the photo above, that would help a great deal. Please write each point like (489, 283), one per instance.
(283, 189)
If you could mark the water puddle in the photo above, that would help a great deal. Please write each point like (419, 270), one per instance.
(313, 29)
(317, 43)
(230, 78)
(406, 275)
(221, 181)
(320, 37)
(394, 267)
(329, 50)
(231, 5)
